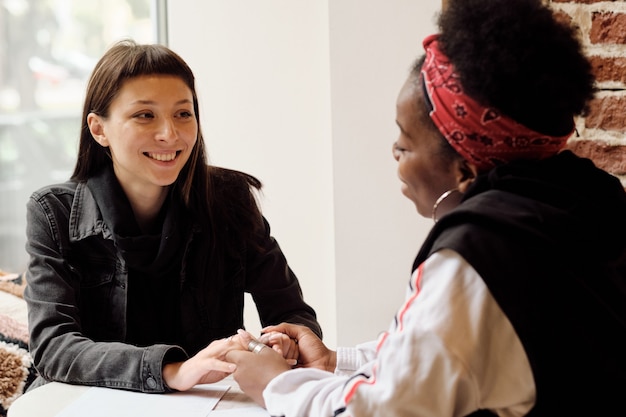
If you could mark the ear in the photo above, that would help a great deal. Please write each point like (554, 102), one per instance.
(96, 127)
(466, 174)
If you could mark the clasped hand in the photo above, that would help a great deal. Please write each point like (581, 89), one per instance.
(205, 367)
(289, 346)
(208, 365)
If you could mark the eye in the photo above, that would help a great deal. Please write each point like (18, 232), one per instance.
(398, 148)
(185, 114)
(144, 115)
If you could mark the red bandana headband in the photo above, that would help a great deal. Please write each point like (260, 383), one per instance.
(481, 135)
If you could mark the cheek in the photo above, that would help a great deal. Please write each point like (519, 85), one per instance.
(191, 135)
(409, 169)
(124, 136)
(422, 178)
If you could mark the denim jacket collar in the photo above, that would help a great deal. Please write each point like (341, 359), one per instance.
(85, 217)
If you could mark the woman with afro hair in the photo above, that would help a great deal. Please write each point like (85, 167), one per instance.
(517, 301)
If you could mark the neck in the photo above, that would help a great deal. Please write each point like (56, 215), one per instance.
(146, 207)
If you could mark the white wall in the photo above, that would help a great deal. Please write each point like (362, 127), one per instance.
(301, 94)
(378, 232)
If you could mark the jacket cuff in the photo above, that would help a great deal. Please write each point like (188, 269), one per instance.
(153, 360)
(347, 361)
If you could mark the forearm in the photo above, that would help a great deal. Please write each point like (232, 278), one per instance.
(104, 364)
(304, 392)
(61, 347)
(61, 352)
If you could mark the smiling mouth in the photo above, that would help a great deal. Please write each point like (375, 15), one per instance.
(163, 157)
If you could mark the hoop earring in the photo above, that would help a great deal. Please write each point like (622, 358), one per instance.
(440, 200)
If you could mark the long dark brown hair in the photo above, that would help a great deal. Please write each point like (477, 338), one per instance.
(127, 60)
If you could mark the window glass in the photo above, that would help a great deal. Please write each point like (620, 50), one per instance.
(47, 51)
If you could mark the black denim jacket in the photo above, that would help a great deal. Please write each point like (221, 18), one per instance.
(77, 293)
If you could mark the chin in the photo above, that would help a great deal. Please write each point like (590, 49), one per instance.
(164, 182)
(422, 211)
(423, 214)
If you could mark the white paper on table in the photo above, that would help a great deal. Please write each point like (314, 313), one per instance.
(107, 402)
(241, 412)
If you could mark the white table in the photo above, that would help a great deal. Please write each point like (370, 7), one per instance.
(48, 400)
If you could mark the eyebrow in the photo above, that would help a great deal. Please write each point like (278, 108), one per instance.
(179, 102)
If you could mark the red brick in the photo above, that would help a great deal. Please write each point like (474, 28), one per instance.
(608, 27)
(607, 113)
(611, 158)
(577, 1)
(609, 68)
(563, 17)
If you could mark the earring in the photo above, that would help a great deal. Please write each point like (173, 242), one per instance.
(440, 200)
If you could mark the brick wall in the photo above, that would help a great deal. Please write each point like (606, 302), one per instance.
(602, 134)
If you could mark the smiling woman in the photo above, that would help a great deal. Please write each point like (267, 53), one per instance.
(151, 247)
(157, 114)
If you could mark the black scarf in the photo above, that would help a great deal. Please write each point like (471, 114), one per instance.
(154, 260)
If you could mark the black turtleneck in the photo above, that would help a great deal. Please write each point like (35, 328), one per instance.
(153, 260)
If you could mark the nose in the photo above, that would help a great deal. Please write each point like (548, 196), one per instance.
(167, 130)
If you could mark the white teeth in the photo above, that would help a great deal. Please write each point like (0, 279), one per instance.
(162, 156)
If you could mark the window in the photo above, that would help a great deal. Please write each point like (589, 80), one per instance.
(47, 51)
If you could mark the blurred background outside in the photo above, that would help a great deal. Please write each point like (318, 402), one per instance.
(48, 49)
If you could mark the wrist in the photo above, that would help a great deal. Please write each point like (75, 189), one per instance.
(170, 370)
(332, 361)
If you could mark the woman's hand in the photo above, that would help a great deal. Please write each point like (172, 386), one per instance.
(282, 344)
(310, 351)
(207, 366)
(255, 370)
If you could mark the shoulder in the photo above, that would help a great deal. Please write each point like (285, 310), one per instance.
(447, 270)
(234, 200)
(67, 187)
(57, 203)
(233, 187)
(61, 193)
(224, 177)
